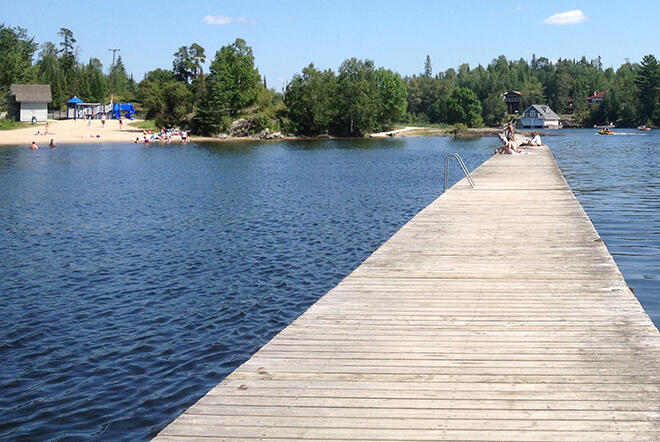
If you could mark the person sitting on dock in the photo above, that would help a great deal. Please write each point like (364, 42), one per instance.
(508, 148)
(536, 141)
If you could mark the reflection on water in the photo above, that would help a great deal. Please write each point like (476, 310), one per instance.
(136, 278)
(617, 180)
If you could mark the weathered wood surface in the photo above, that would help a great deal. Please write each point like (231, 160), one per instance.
(496, 313)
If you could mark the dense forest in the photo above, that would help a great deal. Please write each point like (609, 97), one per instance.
(358, 98)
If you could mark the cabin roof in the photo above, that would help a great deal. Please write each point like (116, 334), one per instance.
(31, 93)
(544, 111)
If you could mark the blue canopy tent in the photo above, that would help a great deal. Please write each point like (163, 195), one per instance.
(74, 102)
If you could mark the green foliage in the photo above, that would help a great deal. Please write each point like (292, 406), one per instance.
(459, 129)
(464, 107)
(67, 51)
(309, 101)
(428, 68)
(232, 85)
(124, 86)
(16, 51)
(360, 99)
(392, 97)
(648, 82)
(564, 85)
(146, 124)
(494, 110)
(234, 81)
(166, 103)
(11, 124)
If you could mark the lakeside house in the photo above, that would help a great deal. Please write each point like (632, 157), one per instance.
(28, 102)
(539, 116)
(596, 98)
(512, 100)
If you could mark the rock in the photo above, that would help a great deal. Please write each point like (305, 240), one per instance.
(240, 127)
(274, 135)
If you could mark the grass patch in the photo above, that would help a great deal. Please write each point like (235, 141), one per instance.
(146, 124)
(439, 125)
(11, 124)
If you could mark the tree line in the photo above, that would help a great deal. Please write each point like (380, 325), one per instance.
(356, 99)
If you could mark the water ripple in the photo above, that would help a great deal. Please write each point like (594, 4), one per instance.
(135, 279)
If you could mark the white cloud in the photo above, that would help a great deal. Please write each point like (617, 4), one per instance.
(566, 18)
(223, 20)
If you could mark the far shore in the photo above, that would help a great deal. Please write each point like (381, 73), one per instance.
(81, 132)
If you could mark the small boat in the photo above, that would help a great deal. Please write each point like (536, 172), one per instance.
(643, 128)
(604, 131)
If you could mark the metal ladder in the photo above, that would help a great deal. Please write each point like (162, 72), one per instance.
(460, 163)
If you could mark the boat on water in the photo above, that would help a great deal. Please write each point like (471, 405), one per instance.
(604, 131)
(643, 128)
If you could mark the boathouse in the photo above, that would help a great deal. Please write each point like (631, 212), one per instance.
(539, 116)
(29, 101)
(512, 100)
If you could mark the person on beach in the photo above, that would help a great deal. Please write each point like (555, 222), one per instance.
(184, 137)
(52, 143)
(102, 120)
(34, 146)
(121, 123)
(137, 140)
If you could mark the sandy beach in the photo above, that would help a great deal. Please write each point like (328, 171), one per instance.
(71, 131)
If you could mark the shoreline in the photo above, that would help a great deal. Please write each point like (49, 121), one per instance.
(79, 132)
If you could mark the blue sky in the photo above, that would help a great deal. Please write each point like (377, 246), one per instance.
(288, 35)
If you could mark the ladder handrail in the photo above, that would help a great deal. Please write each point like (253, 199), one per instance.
(460, 163)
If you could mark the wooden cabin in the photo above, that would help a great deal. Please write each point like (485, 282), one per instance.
(512, 100)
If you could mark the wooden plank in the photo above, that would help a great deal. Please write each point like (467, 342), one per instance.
(497, 313)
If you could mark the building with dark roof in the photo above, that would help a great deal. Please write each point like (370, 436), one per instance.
(539, 116)
(512, 100)
(29, 101)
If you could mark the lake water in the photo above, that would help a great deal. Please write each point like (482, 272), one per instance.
(616, 178)
(135, 278)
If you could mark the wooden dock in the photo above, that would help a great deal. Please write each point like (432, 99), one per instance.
(496, 313)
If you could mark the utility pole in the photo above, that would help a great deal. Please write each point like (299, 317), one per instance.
(112, 77)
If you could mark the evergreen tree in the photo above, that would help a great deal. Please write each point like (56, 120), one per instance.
(183, 65)
(648, 82)
(494, 109)
(428, 69)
